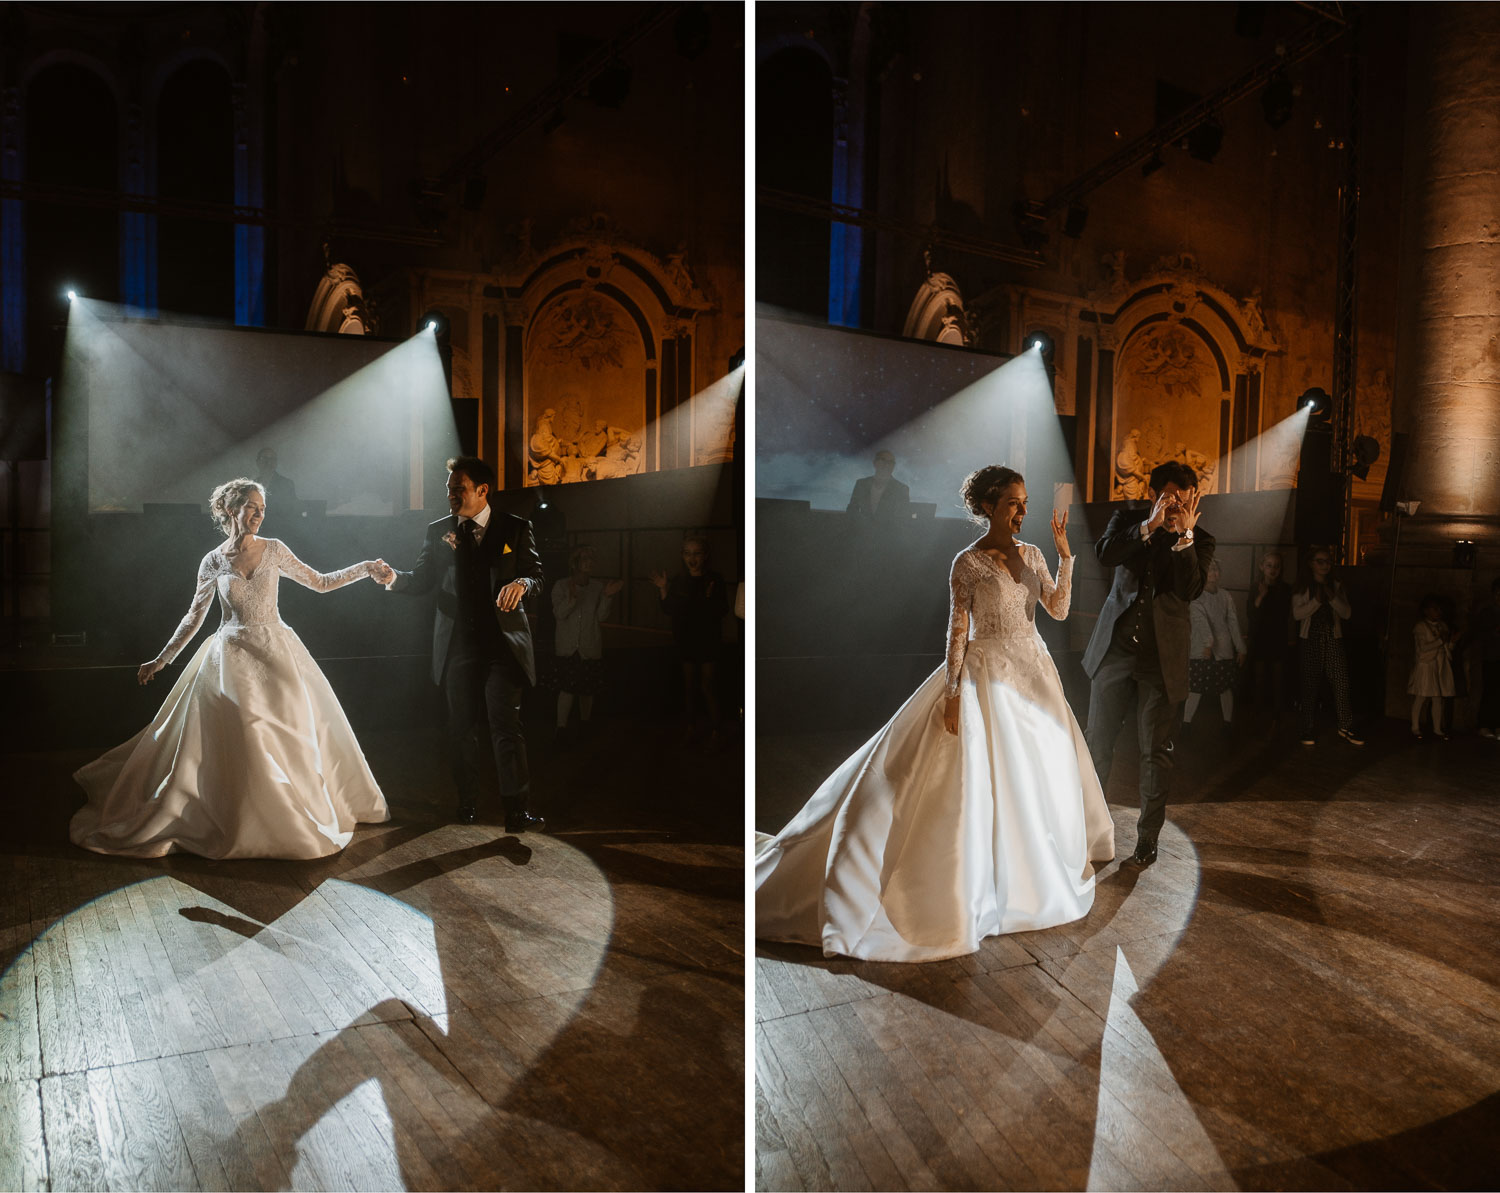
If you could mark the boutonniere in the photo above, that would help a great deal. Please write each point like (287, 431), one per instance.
(452, 540)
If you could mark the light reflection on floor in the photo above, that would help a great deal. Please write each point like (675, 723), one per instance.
(161, 969)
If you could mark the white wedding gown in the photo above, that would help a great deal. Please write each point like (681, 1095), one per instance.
(923, 843)
(250, 755)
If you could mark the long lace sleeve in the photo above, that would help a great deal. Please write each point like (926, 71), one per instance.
(960, 597)
(203, 596)
(290, 565)
(1057, 597)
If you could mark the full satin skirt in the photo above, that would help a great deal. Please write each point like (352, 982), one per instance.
(249, 756)
(923, 843)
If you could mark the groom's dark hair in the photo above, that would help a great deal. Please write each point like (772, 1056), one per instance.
(1165, 474)
(478, 472)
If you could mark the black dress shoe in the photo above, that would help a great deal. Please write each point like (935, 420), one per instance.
(520, 822)
(465, 814)
(1144, 855)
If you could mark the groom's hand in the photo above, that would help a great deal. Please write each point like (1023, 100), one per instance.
(510, 596)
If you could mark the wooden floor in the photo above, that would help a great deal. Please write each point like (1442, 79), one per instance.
(1303, 993)
(438, 1007)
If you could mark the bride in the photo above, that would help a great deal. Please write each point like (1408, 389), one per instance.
(976, 810)
(250, 755)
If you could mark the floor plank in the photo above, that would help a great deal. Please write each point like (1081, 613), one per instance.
(1304, 991)
(440, 1006)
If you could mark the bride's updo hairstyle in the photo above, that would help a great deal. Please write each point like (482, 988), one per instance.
(227, 499)
(986, 484)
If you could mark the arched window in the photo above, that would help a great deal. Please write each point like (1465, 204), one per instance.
(71, 140)
(793, 153)
(195, 161)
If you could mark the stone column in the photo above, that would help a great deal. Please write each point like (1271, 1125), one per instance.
(1448, 359)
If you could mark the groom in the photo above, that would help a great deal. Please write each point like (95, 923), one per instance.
(1139, 647)
(483, 563)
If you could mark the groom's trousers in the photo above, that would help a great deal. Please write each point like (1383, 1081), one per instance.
(1118, 684)
(483, 688)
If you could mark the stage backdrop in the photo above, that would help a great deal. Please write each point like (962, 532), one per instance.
(828, 398)
(360, 426)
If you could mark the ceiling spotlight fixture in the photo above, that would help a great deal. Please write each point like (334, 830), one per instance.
(1316, 402)
(1040, 341)
(1366, 452)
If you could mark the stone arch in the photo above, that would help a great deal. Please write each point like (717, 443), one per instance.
(605, 337)
(73, 57)
(1186, 381)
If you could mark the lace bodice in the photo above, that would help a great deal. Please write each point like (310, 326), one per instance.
(251, 600)
(986, 602)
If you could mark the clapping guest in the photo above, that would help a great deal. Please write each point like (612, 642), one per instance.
(1216, 651)
(1270, 621)
(580, 604)
(696, 599)
(1432, 672)
(1321, 606)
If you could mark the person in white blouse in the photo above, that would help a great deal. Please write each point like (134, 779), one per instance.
(1216, 651)
(579, 605)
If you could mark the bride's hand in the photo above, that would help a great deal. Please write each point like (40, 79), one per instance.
(950, 715)
(1060, 534)
(146, 670)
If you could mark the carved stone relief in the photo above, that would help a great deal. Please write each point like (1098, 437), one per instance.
(585, 369)
(1168, 394)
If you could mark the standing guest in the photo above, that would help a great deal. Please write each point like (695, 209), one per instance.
(695, 599)
(483, 564)
(579, 604)
(1217, 651)
(1321, 606)
(1432, 672)
(1270, 621)
(1139, 647)
(1483, 635)
(881, 500)
(276, 487)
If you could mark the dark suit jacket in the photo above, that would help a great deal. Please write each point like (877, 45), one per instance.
(1178, 577)
(895, 500)
(509, 551)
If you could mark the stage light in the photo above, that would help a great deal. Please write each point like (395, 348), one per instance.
(1205, 141)
(1366, 452)
(432, 327)
(72, 294)
(434, 321)
(1316, 402)
(1041, 341)
(1277, 99)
